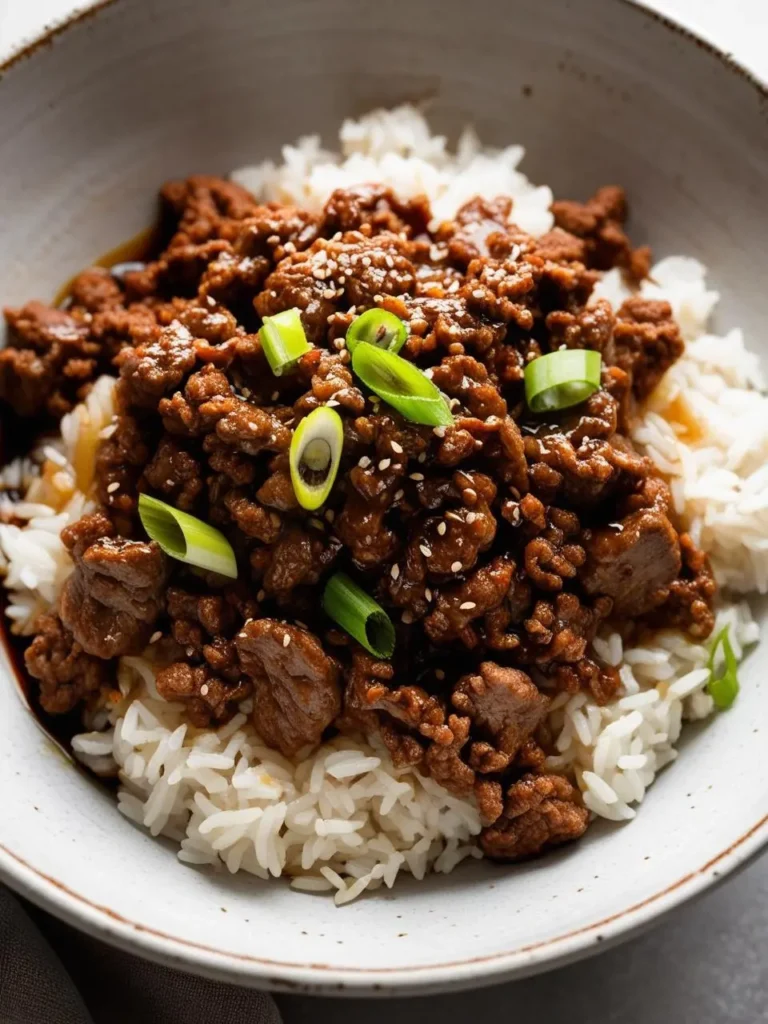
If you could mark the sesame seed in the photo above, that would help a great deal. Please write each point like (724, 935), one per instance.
(469, 495)
(396, 448)
(319, 274)
(368, 538)
(394, 572)
(321, 257)
(108, 431)
(204, 690)
(426, 551)
(190, 652)
(260, 597)
(275, 395)
(492, 421)
(407, 618)
(286, 640)
(364, 462)
(210, 300)
(428, 372)
(453, 515)
(330, 515)
(317, 523)
(428, 593)
(441, 529)
(289, 247)
(113, 487)
(614, 526)
(242, 636)
(329, 293)
(477, 293)
(366, 261)
(467, 606)
(456, 567)
(331, 403)
(471, 517)
(416, 476)
(389, 261)
(155, 636)
(439, 431)
(439, 674)
(422, 458)
(385, 464)
(399, 495)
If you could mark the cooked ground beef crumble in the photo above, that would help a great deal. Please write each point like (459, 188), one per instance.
(498, 546)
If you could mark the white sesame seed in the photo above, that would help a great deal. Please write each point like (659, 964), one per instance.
(477, 293)
(275, 396)
(399, 495)
(190, 652)
(492, 421)
(428, 372)
(155, 636)
(439, 431)
(242, 636)
(471, 517)
(422, 458)
(394, 572)
(113, 487)
(321, 257)
(329, 293)
(286, 640)
(416, 476)
(364, 462)
(319, 274)
(428, 593)
(467, 606)
(407, 618)
(331, 403)
(427, 552)
(366, 261)
(108, 431)
(210, 300)
(289, 247)
(439, 674)
(396, 448)
(204, 690)
(456, 567)
(441, 529)
(330, 515)
(385, 464)
(317, 523)
(260, 597)
(469, 494)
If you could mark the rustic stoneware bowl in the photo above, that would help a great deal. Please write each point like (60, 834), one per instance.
(92, 119)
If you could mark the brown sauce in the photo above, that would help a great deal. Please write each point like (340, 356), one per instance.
(139, 249)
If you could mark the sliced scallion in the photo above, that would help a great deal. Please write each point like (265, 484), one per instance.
(724, 688)
(359, 615)
(561, 379)
(401, 384)
(378, 327)
(315, 455)
(283, 340)
(187, 538)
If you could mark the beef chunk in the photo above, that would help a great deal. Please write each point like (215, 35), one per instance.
(156, 368)
(647, 341)
(296, 685)
(66, 672)
(633, 561)
(600, 223)
(541, 811)
(208, 699)
(115, 594)
(376, 208)
(505, 709)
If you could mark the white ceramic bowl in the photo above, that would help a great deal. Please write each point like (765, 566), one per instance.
(90, 123)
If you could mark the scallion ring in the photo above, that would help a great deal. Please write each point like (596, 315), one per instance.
(358, 614)
(562, 379)
(378, 327)
(187, 538)
(724, 689)
(283, 340)
(401, 384)
(315, 455)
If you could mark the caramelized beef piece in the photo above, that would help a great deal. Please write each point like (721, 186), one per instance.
(175, 474)
(115, 594)
(505, 709)
(296, 685)
(208, 699)
(600, 223)
(376, 208)
(541, 811)
(633, 561)
(206, 207)
(155, 369)
(647, 341)
(691, 596)
(66, 672)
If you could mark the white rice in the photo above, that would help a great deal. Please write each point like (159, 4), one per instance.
(343, 819)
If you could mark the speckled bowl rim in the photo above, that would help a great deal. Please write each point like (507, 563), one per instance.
(282, 975)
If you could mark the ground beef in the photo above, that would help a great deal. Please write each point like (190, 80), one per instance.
(296, 685)
(541, 811)
(112, 600)
(498, 545)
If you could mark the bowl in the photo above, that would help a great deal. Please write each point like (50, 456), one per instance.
(107, 106)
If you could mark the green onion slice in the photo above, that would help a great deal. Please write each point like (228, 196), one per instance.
(359, 615)
(723, 689)
(283, 340)
(187, 538)
(378, 327)
(315, 455)
(562, 379)
(401, 384)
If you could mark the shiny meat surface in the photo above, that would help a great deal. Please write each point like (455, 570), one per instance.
(498, 546)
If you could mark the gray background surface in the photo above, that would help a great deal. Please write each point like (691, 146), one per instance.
(705, 964)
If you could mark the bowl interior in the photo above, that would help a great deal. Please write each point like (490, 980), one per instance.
(598, 92)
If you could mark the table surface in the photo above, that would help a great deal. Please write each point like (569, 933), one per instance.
(707, 963)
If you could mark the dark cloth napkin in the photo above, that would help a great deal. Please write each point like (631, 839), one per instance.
(64, 977)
